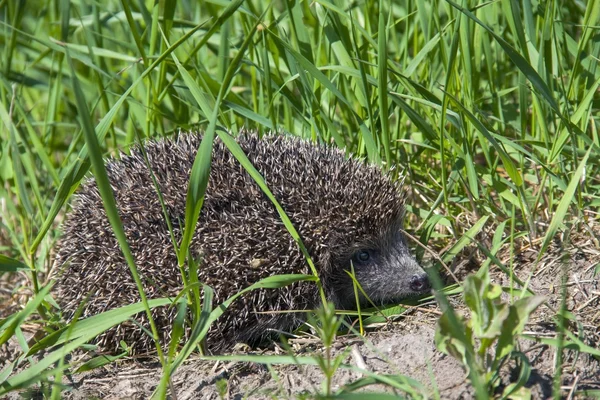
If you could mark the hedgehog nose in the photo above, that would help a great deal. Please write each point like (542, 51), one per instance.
(419, 283)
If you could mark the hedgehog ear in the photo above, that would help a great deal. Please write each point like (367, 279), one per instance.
(325, 268)
(325, 262)
(397, 218)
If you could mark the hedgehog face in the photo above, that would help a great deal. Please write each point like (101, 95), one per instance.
(386, 271)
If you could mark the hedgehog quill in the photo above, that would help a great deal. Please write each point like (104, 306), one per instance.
(347, 213)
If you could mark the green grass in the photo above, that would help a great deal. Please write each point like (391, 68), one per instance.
(490, 109)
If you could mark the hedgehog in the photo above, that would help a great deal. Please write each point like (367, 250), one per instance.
(348, 213)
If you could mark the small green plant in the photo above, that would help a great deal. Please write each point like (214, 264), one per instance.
(327, 324)
(487, 340)
(221, 385)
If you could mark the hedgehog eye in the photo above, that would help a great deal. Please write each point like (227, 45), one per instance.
(362, 256)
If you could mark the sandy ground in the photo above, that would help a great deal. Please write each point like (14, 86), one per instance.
(404, 347)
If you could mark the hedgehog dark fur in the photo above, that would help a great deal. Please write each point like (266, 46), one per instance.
(345, 211)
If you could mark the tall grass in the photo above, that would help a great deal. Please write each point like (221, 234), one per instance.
(490, 109)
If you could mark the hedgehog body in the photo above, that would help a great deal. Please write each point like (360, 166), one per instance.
(346, 212)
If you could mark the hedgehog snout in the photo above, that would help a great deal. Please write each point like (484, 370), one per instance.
(409, 274)
(419, 283)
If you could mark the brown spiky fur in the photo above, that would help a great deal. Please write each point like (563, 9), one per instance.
(337, 204)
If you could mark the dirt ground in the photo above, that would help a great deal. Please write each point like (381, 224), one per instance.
(403, 347)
